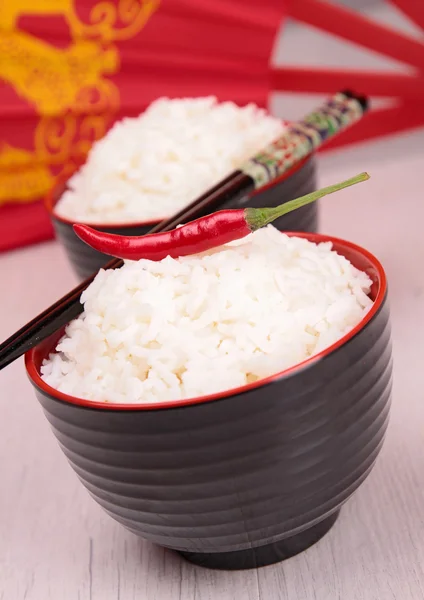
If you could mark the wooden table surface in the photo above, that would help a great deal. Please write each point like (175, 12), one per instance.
(57, 544)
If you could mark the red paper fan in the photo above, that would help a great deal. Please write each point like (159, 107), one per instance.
(187, 47)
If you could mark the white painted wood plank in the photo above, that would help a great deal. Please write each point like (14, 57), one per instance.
(56, 544)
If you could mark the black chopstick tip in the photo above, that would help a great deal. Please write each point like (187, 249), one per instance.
(363, 100)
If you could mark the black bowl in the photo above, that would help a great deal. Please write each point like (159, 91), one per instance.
(247, 477)
(297, 182)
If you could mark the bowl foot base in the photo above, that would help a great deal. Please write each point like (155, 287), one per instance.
(262, 556)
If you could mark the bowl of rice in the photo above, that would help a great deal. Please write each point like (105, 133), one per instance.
(227, 404)
(148, 168)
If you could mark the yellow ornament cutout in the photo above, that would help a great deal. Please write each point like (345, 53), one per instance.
(69, 88)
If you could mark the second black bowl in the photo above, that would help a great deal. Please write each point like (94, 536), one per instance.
(297, 182)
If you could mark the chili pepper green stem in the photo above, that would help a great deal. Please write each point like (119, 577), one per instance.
(259, 217)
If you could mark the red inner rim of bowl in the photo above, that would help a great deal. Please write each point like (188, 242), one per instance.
(52, 198)
(359, 257)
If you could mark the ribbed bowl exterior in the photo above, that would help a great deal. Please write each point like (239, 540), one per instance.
(87, 261)
(246, 470)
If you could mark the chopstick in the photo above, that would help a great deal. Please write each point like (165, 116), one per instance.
(296, 144)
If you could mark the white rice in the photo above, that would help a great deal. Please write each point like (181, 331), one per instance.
(147, 168)
(157, 331)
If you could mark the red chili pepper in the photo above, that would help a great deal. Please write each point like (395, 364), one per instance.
(202, 234)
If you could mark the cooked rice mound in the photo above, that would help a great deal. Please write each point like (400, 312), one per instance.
(179, 328)
(149, 167)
